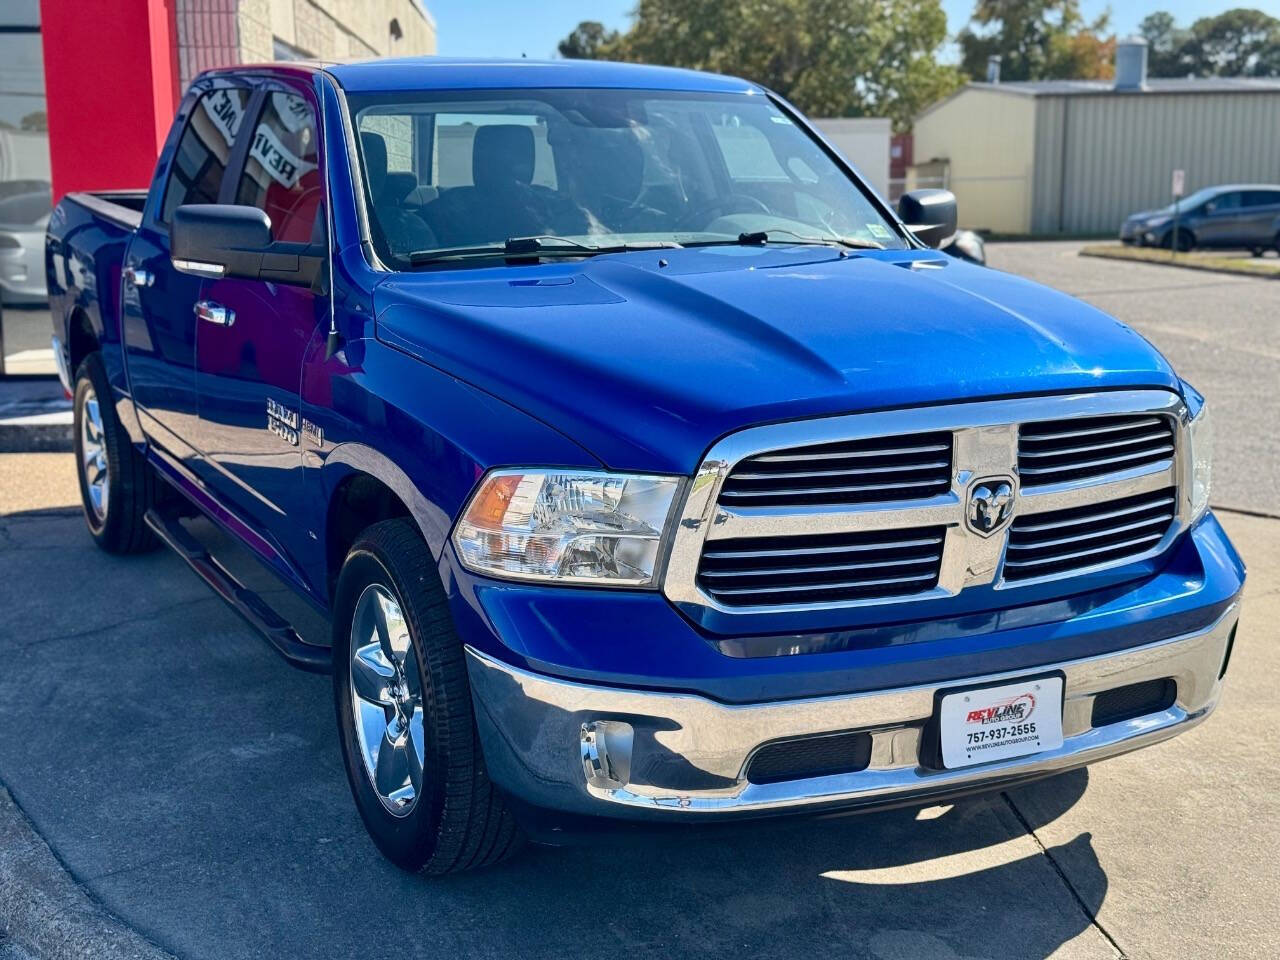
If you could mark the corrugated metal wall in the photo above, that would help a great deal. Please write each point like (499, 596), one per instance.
(1119, 151)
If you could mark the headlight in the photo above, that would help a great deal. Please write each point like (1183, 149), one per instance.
(567, 526)
(1201, 457)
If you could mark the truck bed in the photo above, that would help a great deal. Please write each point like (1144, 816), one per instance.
(119, 206)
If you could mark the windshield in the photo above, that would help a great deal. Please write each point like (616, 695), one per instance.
(447, 171)
(1194, 200)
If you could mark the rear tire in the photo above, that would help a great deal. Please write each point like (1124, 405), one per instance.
(117, 485)
(1255, 251)
(405, 718)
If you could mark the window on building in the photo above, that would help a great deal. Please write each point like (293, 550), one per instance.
(281, 173)
(205, 148)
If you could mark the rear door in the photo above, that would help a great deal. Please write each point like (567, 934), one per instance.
(249, 366)
(1261, 207)
(156, 300)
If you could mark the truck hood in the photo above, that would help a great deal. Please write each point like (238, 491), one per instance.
(647, 358)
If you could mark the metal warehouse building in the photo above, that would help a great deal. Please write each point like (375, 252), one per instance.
(1075, 157)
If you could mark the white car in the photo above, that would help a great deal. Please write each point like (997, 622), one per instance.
(23, 219)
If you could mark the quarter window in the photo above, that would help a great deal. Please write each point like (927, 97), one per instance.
(195, 175)
(281, 172)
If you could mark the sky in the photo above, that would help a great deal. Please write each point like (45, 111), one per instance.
(511, 28)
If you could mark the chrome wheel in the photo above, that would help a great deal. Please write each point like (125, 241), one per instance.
(93, 455)
(386, 700)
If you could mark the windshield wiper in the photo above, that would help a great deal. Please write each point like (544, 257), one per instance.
(762, 237)
(765, 236)
(538, 247)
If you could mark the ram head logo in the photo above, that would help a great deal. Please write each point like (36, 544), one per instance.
(990, 505)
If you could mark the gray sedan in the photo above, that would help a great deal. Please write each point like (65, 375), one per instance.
(1244, 216)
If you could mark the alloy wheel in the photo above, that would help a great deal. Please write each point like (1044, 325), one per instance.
(93, 455)
(386, 700)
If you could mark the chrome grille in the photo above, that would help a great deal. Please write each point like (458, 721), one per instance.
(1061, 542)
(1062, 451)
(875, 470)
(821, 569)
(1099, 480)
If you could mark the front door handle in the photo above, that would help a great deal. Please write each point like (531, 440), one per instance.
(215, 313)
(137, 277)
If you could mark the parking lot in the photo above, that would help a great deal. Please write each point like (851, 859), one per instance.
(191, 783)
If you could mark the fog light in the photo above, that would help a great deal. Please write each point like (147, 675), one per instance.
(606, 752)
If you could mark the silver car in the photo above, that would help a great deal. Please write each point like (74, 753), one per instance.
(1242, 216)
(23, 218)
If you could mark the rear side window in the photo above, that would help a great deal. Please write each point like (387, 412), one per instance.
(195, 175)
(1262, 198)
(281, 173)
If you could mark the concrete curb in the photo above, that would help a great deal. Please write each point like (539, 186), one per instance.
(45, 912)
(1188, 263)
(26, 437)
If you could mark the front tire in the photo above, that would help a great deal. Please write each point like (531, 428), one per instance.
(117, 486)
(405, 718)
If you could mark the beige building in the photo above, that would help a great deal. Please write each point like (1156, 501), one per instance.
(1076, 157)
(215, 33)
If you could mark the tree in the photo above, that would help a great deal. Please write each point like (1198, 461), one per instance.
(1036, 40)
(831, 58)
(1166, 43)
(1237, 43)
(587, 41)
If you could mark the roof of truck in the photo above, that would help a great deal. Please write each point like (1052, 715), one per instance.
(447, 73)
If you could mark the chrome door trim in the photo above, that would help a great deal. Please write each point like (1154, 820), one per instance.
(986, 444)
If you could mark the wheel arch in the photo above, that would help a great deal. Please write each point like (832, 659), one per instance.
(363, 487)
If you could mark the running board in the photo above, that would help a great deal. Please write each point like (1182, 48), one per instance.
(256, 611)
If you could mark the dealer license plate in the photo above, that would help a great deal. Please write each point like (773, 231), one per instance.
(998, 723)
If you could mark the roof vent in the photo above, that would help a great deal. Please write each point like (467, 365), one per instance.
(993, 68)
(1131, 64)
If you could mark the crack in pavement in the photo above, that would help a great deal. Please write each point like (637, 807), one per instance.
(1062, 875)
(138, 618)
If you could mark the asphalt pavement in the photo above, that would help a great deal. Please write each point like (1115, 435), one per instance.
(191, 783)
(1220, 332)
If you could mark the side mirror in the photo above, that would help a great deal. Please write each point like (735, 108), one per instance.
(223, 240)
(929, 214)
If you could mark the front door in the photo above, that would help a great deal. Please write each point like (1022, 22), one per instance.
(1219, 224)
(252, 336)
(156, 300)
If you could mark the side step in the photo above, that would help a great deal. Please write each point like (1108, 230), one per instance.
(256, 612)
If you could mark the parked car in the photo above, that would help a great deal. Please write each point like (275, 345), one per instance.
(1237, 216)
(646, 465)
(23, 220)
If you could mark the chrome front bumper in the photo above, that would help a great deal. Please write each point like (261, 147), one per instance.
(641, 755)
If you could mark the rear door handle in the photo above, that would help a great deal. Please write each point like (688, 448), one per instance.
(215, 313)
(137, 277)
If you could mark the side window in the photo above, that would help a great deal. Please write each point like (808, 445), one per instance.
(1224, 202)
(195, 175)
(281, 172)
(1262, 198)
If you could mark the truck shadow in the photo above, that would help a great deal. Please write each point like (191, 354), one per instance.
(954, 882)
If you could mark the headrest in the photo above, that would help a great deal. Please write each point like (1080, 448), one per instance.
(375, 160)
(399, 186)
(502, 154)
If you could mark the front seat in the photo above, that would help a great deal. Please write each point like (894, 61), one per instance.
(502, 202)
(404, 231)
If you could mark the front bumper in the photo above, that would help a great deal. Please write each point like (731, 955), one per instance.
(645, 755)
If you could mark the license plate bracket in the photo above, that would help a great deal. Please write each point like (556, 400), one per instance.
(983, 723)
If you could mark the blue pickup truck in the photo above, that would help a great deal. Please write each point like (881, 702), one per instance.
(641, 463)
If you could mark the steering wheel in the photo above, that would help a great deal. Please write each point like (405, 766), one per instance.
(721, 206)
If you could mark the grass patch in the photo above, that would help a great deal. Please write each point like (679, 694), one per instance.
(1196, 260)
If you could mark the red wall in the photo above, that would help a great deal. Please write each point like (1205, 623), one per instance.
(111, 82)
